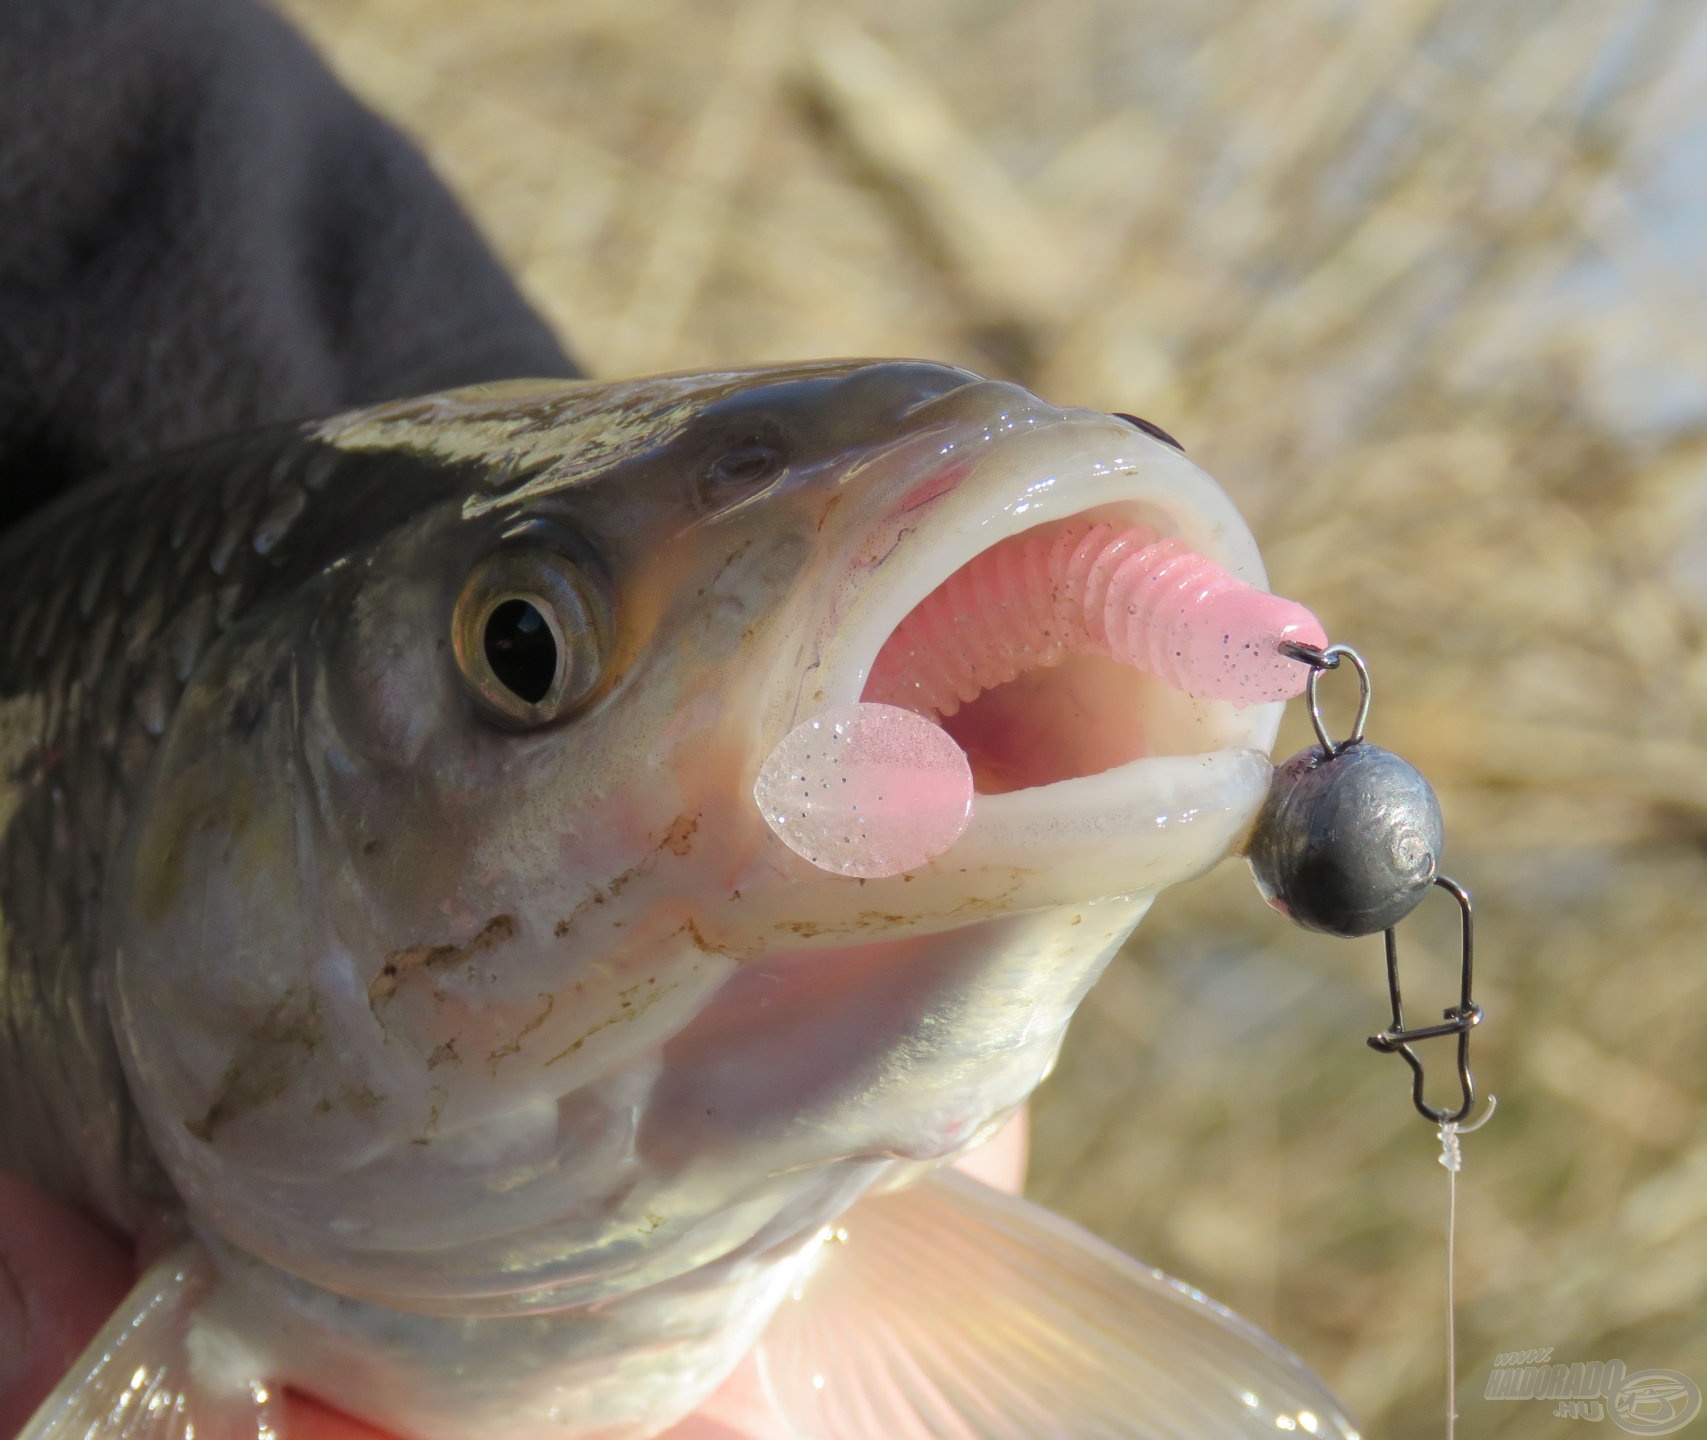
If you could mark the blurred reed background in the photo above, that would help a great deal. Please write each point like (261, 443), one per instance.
(1418, 281)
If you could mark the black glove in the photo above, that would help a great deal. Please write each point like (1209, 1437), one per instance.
(200, 229)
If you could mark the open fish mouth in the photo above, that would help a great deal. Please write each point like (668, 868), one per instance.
(1041, 655)
(1040, 603)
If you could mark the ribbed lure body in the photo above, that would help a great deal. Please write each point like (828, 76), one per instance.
(1093, 588)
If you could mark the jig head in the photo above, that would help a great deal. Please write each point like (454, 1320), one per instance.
(1348, 842)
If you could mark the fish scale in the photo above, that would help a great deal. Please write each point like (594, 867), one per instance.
(80, 719)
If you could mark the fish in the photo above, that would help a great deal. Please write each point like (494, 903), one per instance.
(390, 922)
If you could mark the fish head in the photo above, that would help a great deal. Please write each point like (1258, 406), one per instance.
(453, 964)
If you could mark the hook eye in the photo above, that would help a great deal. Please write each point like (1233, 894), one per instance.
(1331, 658)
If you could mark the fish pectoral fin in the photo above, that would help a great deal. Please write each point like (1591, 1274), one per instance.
(952, 1310)
(159, 1371)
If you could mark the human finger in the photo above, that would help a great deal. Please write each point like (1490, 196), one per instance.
(61, 1275)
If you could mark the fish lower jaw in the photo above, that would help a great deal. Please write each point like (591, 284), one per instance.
(1131, 830)
(1125, 834)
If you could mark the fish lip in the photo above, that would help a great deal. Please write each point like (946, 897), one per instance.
(1060, 464)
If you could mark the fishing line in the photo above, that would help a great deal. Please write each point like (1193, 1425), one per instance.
(1452, 1157)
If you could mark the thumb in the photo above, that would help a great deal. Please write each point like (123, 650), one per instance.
(61, 1275)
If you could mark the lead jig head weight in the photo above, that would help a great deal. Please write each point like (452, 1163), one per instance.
(1348, 841)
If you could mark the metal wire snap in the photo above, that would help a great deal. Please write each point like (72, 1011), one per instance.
(1460, 1019)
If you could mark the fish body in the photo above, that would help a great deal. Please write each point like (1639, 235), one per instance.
(384, 895)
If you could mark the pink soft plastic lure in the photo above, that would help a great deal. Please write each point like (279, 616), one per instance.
(1099, 589)
(878, 788)
(867, 790)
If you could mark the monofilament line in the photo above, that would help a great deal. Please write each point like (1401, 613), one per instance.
(1449, 1146)
(1452, 1157)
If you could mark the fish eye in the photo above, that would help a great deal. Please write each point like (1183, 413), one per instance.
(521, 646)
(531, 634)
(1149, 427)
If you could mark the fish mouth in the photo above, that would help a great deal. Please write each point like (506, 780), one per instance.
(1097, 770)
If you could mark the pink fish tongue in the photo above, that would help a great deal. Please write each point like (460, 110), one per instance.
(1093, 588)
(866, 790)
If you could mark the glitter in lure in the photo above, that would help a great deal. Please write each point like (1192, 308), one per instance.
(866, 790)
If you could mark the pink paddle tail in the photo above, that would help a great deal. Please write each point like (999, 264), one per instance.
(866, 790)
